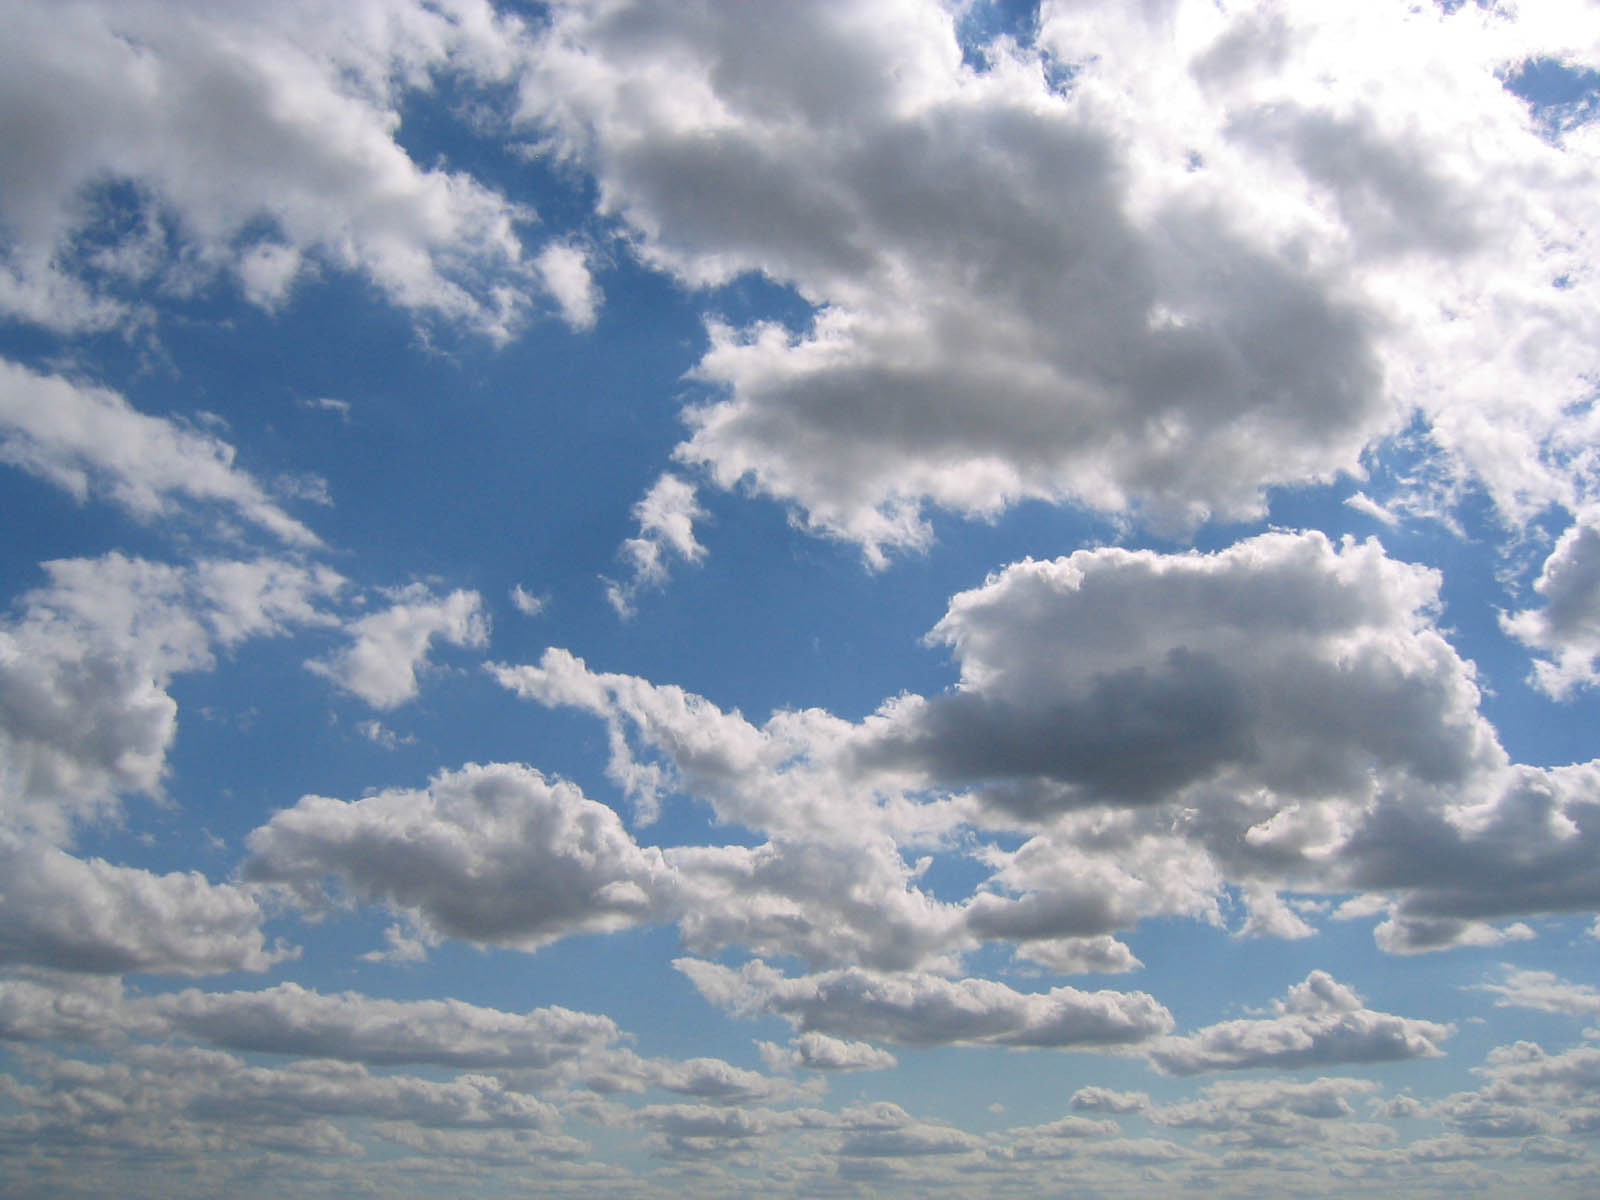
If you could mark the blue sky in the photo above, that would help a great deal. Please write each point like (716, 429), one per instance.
(827, 599)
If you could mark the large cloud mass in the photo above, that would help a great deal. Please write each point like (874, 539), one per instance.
(1159, 260)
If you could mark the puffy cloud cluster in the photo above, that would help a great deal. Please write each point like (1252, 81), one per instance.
(1567, 627)
(1157, 260)
(256, 142)
(1281, 714)
(493, 853)
(1283, 665)
(1321, 1023)
(90, 915)
(922, 1009)
(84, 711)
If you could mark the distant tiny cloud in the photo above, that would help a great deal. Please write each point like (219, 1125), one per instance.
(526, 602)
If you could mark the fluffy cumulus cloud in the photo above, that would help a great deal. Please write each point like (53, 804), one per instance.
(90, 915)
(84, 711)
(1282, 714)
(1290, 241)
(91, 441)
(387, 648)
(819, 1052)
(175, 144)
(1320, 1023)
(1285, 664)
(494, 853)
(920, 1009)
(1567, 626)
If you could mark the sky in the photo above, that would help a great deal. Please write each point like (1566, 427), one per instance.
(924, 597)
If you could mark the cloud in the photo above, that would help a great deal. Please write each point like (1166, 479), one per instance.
(564, 268)
(1545, 991)
(1526, 844)
(1321, 1023)
(90, 441)
(84, 712)
(1568, 626)
(1236, 1104)
(265, 141)
(1232, 253)
(528, 604)
(292, 1020)
(1284, 714)
(1178, 678)
(493, 854)
(388, 647)
(1106, 1100)
(666, 517)
(197, 1089)
(819, 1052)
(919, 1009)
(90, 915)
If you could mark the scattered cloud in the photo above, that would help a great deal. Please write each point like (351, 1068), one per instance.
(388, 648)
(91, 442)
(666, 517)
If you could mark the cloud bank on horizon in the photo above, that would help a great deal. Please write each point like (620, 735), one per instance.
(912, 597)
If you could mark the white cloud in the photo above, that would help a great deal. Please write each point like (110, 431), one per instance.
(89, 915)
(1284, 715)
(920, 1009)
(1321, 1023)
(1106, 1100)
(493, 854)
(230, 118)
(666, 517)
(293, 1020)
(84, 711)
(1568, 626)
(819, 1052)
(1233, 252)
(90, 441)
(526, 603)
(564, 268)
(389, 647)
(1545, 991)
(1274, 1104)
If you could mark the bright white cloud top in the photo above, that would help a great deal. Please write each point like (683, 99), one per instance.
(913, 598)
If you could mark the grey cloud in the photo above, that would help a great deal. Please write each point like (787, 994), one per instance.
(1530, 845)
(1283, 661)
(917, 1009)
(1284, 714)
(1020, 293)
